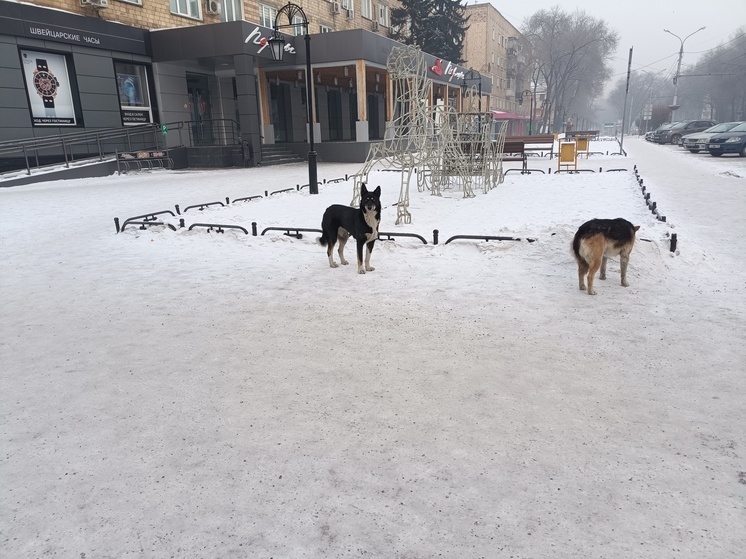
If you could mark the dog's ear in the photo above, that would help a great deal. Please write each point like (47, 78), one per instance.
(363, 189)
(377, 192)
(637, 227)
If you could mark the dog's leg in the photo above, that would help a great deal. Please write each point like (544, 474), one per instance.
(329, 253)
(331, 240)
(342, 236)
(594, 266)
(367, 257)
(360, 268)
(582, 271)
(624, 261)
(602, 275)
(592, 251)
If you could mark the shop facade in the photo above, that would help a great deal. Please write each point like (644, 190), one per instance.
(100, 74)
(61, 73)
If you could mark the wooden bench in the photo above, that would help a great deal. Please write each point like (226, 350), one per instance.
(520, 147)
(590, 134)
(538, 144)
(514, 150)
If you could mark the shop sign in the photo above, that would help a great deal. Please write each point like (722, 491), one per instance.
(450, 71)
(259, 39)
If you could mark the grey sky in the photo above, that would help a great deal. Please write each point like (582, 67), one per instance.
(640, 24)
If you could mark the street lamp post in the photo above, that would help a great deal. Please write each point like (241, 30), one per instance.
(471, 77)
(277, 46)
(530, 107)
(675, 105)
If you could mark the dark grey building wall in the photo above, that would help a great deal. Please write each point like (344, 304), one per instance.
(93, 73)
(92, 68)
(14, 111)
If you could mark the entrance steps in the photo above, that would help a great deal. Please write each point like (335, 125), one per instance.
(277, 154)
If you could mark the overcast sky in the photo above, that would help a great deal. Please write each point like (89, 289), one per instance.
(640, 24)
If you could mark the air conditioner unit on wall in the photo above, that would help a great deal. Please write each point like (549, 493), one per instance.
(335, 7)
(374, 27)
(212, 7)
(98, 4)
(350, 14)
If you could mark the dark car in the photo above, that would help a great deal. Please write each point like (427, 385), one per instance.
(673, 135)
(698, 141)
(733, 141)
(650, 136)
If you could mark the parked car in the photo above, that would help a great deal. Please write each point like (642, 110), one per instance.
(698, 141)
(733, 141)
(650, 136)
(673, 135)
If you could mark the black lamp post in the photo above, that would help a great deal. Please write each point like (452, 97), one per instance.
(277, 46)
(531, 109)
(464, 87)
(471, 77)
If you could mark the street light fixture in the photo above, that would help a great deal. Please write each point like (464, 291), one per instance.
(675, 104)
(277, 46)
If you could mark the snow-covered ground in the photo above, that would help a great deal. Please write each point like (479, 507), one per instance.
(201, 395)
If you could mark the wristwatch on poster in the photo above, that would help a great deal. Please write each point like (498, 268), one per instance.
(130, 91)
(46, 85)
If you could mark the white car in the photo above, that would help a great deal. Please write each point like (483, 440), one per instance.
(697, 141)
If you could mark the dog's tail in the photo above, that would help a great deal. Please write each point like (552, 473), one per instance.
(575, 248)
(321, 240)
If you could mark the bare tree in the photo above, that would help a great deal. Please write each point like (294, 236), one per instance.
(714, 87)
(570, 53)
(645, 88)
(717, 82)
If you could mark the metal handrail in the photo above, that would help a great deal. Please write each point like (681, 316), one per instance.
(215, 132)
(30, 148)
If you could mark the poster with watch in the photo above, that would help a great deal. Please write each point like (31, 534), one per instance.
(48, 88)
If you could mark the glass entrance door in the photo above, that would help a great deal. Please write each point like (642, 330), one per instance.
(200, 109)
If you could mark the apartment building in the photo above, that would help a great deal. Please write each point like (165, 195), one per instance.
(117, 63)
(492, 47)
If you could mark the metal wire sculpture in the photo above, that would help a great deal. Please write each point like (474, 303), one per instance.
(445, 149)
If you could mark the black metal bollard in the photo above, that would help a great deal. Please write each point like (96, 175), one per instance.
(116, 223)
(673, 241)
(253, 228)
(435, 236)
(227, 201)
(178, 211)
(181, 223)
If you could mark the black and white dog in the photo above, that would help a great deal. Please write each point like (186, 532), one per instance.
(339, 222)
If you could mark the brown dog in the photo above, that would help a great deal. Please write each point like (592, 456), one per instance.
(598, 239)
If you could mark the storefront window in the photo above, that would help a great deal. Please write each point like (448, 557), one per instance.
(49, 88)
(134, 93)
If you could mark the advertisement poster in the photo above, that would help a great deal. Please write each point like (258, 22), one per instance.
(48, 88)
(134, 97)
